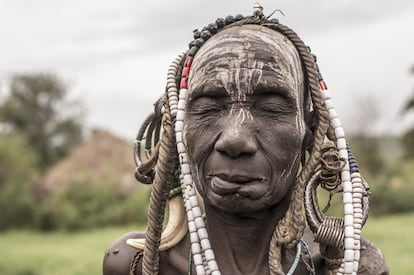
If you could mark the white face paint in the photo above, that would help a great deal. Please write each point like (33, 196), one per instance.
(236, 66)
(245, 119)
(239, 80)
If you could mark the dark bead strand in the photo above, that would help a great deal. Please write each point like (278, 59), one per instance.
(238, 17)
(353, 166)
(229, 19)
(196, 34)
(212, 27)
(205, 35)
(274, 21)
(220, 22)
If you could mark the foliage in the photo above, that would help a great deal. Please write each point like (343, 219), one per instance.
(87, 205)
(393, 191)
(407, 140)
(37, 108)
(17, 172)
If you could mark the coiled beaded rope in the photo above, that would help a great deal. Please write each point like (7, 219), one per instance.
(353, 192)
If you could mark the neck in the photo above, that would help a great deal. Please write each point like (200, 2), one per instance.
(241, 241)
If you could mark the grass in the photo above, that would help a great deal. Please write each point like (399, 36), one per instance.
(394, 236)
(33, 253)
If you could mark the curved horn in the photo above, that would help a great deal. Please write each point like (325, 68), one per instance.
(175, 229)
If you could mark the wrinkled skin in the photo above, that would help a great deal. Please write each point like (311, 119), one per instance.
(245, 133)
(249, 108)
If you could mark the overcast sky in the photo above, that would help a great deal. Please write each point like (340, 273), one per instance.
(115, 54)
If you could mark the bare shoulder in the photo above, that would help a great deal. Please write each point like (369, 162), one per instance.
(372, 262)
(119, 256)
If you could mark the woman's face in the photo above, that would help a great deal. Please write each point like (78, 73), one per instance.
(244, 124)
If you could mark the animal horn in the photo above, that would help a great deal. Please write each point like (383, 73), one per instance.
(175, 229)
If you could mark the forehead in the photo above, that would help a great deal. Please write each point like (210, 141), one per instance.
(241, 58)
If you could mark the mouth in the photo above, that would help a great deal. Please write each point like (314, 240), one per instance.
(238, 185)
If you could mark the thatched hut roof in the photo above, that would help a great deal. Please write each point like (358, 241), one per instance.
(104, 157)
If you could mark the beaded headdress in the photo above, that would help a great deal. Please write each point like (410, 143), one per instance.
(161, 158)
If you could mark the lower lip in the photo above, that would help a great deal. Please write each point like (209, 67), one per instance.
(245, 189)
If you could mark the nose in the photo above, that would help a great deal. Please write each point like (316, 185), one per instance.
(235, 141)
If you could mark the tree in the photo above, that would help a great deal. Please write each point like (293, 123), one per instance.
(17, 173)
(407, 139)
(38, 109)
(364, 142)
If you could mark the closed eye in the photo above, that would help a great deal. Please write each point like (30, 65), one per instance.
(273, 103)
(204, 105)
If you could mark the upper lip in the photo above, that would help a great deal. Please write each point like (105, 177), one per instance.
(237, 178)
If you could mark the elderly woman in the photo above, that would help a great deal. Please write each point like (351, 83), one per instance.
(246, 122)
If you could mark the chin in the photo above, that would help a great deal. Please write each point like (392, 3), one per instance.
(234, 203)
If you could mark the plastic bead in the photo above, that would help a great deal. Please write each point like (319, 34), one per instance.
(205, 34)
(229, 19)
(202, 234)
(191, 44)
(180, 116)
(339, 132)
(209, 254)
(274, 21)
(347, 187)
(200, 270)
(348, 220)
(349, 242)
(212, 265)
(180, 147)
(341, 143)
(190, 216)
(198, 260)
(348, 209)
(347, 198)
(349, 265)
(192, 227)
(199, 42)
(332, 113)
(325, 95)
(220, 22)
(349, 232)
(190, 191)
(238, 17)
(205, 244)
(188, 180)
(196, 211)
(212, 27)
(196, 34)
(345, 176)
(194, 237)
(196, 248)
(199, 222)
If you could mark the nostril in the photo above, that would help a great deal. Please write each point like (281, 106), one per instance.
(236, 145)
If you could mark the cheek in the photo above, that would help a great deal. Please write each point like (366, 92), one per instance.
(282, 144)
(199, 137)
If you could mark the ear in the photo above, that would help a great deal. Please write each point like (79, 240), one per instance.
(310, 126)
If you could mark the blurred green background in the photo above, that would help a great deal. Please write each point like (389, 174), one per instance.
(66, 195)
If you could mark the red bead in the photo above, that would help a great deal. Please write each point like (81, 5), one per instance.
(188, 61)
(322, 85)
(186, 72)
(183, 83)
